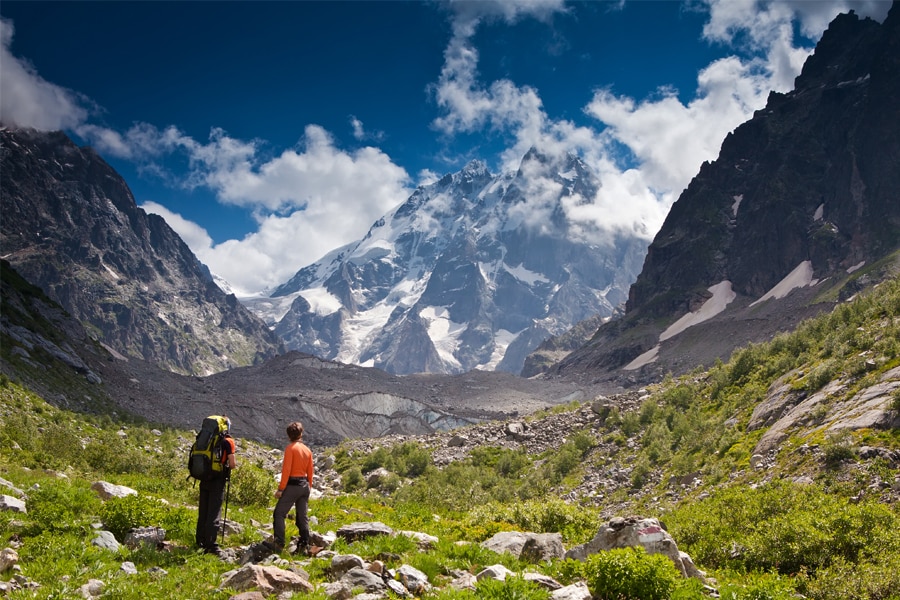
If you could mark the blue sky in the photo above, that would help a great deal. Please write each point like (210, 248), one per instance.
(268, 133)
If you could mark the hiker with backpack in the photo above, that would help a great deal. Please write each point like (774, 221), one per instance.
(211, 461)
(293, 489)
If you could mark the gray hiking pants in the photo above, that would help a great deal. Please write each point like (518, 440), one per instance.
(296, 496)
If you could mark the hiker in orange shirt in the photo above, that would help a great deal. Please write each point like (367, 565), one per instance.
(293, 489)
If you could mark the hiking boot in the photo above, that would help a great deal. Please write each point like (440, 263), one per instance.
(214, 549)
(274, 546)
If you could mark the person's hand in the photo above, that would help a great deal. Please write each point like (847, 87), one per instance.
(278, 493)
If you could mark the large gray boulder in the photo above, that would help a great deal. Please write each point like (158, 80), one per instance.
(359, 578)
(358, 531)
(106, 490)
(532, 547)
(633, 532)
(266, 579)
(576, 591)
(9, 503)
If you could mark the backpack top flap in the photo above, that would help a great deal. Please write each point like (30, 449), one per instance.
(206, 456)
(212, 427)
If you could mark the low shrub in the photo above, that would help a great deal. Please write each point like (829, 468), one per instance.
(764, 586)
(353, 480)
(121, 515)
(630, 573)
(844, 580)
(58, 506)
(549, 515)
(108, 453)
(783, 527)
(251, 485)
(407, 460)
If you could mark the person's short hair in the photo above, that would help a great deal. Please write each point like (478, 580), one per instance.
(295, 431)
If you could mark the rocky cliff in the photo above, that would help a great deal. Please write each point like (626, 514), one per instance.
(800, 209)
(71, 226)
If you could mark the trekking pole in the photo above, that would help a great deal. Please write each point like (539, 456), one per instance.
(225, 514)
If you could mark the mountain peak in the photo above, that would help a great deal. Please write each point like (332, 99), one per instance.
(475, 167)
(799, 209)
(462, 278)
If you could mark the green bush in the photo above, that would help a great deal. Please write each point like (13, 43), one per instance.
(19, 429)
(552, 515)
(407, 460)
(837, 449)
(251, 485)
(59, 506)
(353, 480)
(121, 515)
(378, 458)
(783, 527)
(512, 462)
(640, 474)
(763, 586)
(845, 580)
(180, 524)
(630, 573)
(58, 444)
(563, 461)
(108, 453)
(631, 424)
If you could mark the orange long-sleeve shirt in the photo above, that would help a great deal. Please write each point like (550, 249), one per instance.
(297, 462)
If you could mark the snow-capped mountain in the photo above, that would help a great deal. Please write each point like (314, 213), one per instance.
(471, 272)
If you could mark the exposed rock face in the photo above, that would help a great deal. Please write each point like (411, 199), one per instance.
(71, 226)
(785, 410)
(801, 201)
(473, 271)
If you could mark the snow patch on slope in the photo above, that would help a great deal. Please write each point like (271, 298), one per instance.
(801, 276)
(722, 295)
(502, 340)
(443, 332)
(644, 359)
(360, 327)
(321, 301)
(524, 275)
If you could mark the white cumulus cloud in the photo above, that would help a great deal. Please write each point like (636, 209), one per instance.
(27, 99)
(307, 201)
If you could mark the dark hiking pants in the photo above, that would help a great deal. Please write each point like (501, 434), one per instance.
(212, 494)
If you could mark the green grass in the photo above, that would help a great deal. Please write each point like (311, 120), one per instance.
(759, 534)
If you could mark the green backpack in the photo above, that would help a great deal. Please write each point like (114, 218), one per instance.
(205, 459)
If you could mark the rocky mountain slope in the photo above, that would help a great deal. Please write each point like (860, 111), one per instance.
(71, 226)
(471, 272)
(800, 209)
(49, 351)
